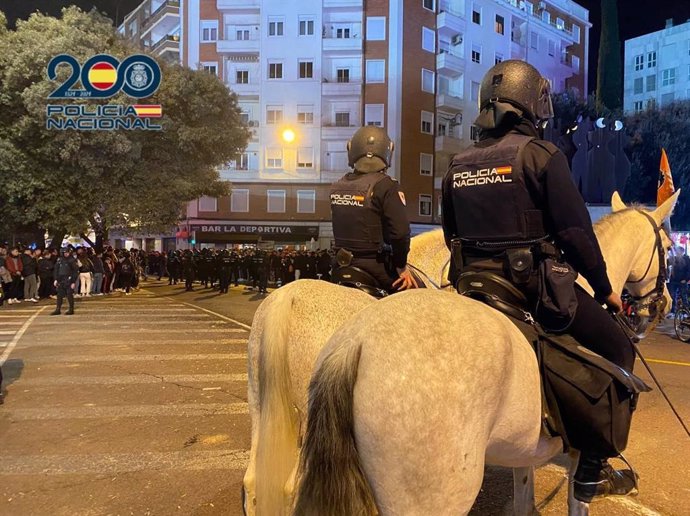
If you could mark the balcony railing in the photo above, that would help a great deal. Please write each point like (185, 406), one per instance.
(553, 24)
(237, 4)
(167, 7)
(237, 45)
(171, 40)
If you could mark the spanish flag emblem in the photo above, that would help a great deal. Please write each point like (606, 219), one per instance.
(148, 110)
(504, 170)
(102, 76)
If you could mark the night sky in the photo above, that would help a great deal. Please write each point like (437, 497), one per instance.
(637, 17)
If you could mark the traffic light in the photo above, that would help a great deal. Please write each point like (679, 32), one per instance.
(191, 239)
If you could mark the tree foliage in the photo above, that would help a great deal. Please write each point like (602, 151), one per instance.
(66, 180)
(610, 69)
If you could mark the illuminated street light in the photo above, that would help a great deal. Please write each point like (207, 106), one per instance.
(288, 135)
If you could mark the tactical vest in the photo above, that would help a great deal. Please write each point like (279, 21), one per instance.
(356, 222)
(490, 198)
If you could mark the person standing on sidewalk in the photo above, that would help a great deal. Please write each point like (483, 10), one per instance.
(65, 278)
(13, 264)
(45, 274)
(29, 269)
(98, 271)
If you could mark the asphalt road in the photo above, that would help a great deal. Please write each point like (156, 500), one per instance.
(137, 406)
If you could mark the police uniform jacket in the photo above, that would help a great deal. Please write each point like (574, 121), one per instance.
(66, 269)
(551, 190)
(368, 211)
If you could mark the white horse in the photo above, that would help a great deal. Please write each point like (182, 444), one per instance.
(288, 331)
(416, 393)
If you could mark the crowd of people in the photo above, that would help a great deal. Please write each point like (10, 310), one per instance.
(27, 274)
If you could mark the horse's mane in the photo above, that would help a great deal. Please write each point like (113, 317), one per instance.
(426, 238)
(606, 222)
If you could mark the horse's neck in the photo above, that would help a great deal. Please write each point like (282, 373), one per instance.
(428, 253)
(619, 240)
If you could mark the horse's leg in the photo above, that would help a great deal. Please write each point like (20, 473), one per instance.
(523, 491)
(575, 506)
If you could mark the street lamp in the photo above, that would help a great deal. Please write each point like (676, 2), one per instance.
(288, 136)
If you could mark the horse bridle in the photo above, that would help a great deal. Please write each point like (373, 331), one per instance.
(658, 300)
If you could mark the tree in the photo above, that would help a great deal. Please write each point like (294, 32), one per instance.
(610, 70)
(70, 180)
(651, 130)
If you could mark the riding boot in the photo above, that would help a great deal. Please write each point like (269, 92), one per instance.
(595, 478)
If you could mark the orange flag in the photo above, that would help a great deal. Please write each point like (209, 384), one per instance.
(665, 188)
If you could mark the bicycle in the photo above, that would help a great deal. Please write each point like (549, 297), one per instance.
(681, 318)
(630, 314)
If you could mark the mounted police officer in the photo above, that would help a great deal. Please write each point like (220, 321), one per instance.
(65, 276)
(513, 192)
(370, 224)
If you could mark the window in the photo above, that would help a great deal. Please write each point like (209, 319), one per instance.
(425, 205)
(305, 157)
(211, 68)
(242, 76)
(527, 7)
(429, 4)
(342, 119)
(209, 31)
(476, 54)
(552, 48)
(242, 35)
(241, 163)
(306, 201)
(474, 133)
(375, 70)
(427, 122)
(651, 59)
(275, 201)
(239, 200)
(428, 40)
(475, 91)
(500, 26)
(498, 58)
(274, 158)
(306, 69)
(305, 114)
(244, 117)
(373, 114)
(276, 26)
(667, 98)
(342, 33)
(208, 203)
(306, 26)
(441, 129)
(428, 80)
(476, 15)
(560, 23)
(637, 106)
(651, 104)
(534, 40)
(342, 74)
(376, 28)
(576, 33)
(546, 17)
(426, 164)
(639, 62)
(274, 114)
(638, 86)
(668, 77)
(576, 62)
(651, 83)
(275, 70)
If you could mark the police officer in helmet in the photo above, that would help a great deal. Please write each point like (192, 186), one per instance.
(512, 188)
(368, 211)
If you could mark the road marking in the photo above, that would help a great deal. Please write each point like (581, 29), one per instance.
(181, 410)
(238, 323)
(669, 362)
(4, 332)
(127, 358)
(113, 463)
(18, 310)
(133, 379)
(18, 336)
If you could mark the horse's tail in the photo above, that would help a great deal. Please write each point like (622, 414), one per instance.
(332, 480)
(278, 429)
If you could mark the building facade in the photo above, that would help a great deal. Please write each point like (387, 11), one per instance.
(155, 26)
(308, 73)
(657, 68)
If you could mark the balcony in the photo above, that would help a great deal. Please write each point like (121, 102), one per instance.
(167, 8)
(168, 43)
(450, 24)
(449, 102)
(245, 5)
(449, 145)
(333, 132)
(237, 46)
(328, 4)
(450, 64)
(245, 89)
(341, 89)
(342, 44)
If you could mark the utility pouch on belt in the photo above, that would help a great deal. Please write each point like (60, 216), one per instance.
(520, 262)
(456, 257)
(557, 302)
(343, 257)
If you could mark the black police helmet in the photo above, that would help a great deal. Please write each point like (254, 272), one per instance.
(370, 149)
(513, 85)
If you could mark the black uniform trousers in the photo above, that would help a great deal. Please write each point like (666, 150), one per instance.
(379, 270)
(224, 279)
(64, 290)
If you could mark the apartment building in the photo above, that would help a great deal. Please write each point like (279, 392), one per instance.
(657, 68)
(155, 26)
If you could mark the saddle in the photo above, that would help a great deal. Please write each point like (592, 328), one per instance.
(586, 400)
(354, 277)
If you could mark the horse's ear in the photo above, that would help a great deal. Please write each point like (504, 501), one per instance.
(617, 203)
(664, 211)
